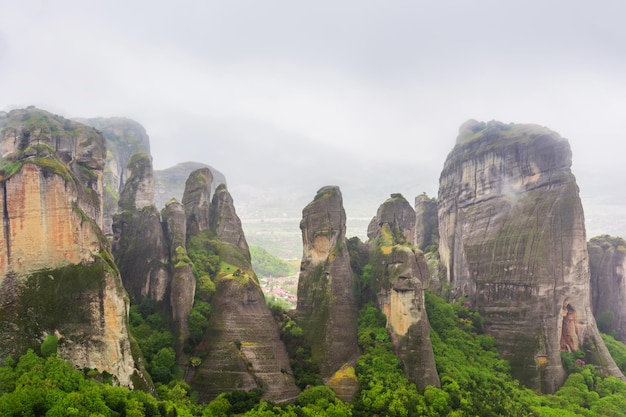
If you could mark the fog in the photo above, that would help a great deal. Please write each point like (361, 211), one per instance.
(368, 95)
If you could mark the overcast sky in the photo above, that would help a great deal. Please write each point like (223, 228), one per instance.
(382, 80)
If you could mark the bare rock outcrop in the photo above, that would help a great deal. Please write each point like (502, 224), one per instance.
(327, 308)
(399, 271)
(139, 245)
(607, 262)
(170, 182)
(197, 200)
(57, 276)
(426, 222)
(245, 347)
(512, 238)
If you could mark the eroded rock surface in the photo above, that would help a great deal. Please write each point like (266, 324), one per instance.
(607, 262)
(327, 309)
(57, 275)
(399, 271)
(512, 238)
(197, 200)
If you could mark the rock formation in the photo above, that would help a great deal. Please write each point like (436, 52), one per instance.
(123, 139)
(170, 182)
(139, 245)
(197, 200)
(246, 351)
(607, 263)
(399, 271)
(57, 275)
(427, 222)
(327, 308)
(512, 238)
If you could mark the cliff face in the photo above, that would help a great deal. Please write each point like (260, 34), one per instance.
(426, 222)
(139, 245)
(123, 139)
(170, 182)
(512, 238)
(399, 272)
(327, 308)
(607, 262)
(57, 275)
(197, 200)
(246, 351)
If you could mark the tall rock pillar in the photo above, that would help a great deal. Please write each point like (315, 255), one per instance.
(327, 307)
(512, 237)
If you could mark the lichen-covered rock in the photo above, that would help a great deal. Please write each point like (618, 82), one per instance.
(245, 347)
(607, 263)
(123, 138)
(512, 238)
(398, 271)
(197, 200)
(426, 222)
(224, 221)
(57, 275)
(327, 308)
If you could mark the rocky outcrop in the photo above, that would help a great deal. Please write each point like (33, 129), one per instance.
(225, 223)
(197, 200)
(170, 182)
(123, 139)
(399, 271)
(57, 276)
(427, 222)
(246, 351)
(607, 263)
(139, 245)
(327, 309)
(512, 238)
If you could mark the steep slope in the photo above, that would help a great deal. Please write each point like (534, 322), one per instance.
(398, 273)
(57, 276)
(327, 307)
(245, 347)
(512, 238)
(607, 262)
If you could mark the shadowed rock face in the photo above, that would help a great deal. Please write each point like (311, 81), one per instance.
(327, 309)
(246, 351)
(607, 262)
(56, 272)
(139, 245)
(399, 272)
(512, 238)
(197, 200)
(427, 222)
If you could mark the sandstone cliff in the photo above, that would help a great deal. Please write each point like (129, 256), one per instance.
(512, 238)
(327, 307)
(607, 262)
(123, 139)
(246, 351)
(197, 200)
(57, 275)
(399, 271)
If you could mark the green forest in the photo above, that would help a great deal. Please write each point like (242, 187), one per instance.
(474, 381)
